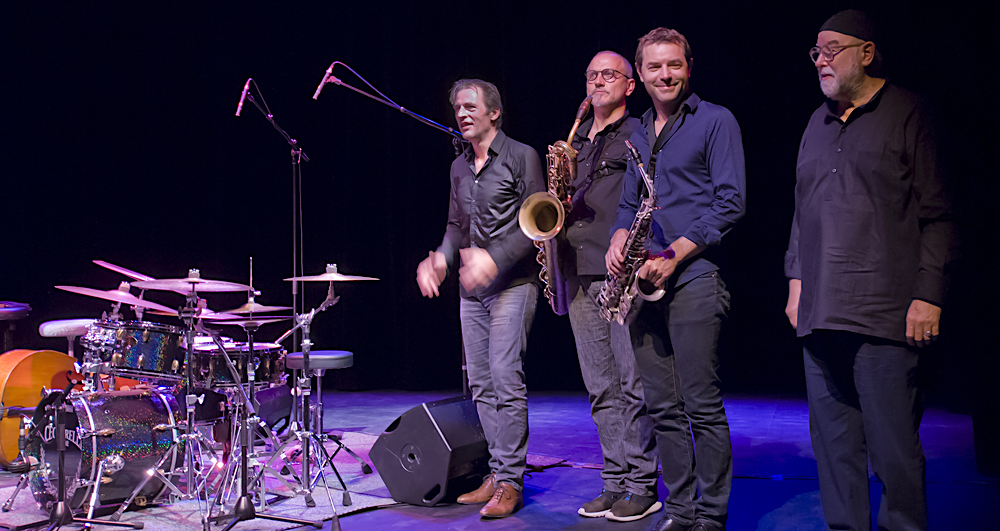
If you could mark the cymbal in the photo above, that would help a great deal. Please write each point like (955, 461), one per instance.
(205, 314)
(245, 323)
(331, 275)
(119, 269)
(253, 307)
(193, 282)
(115, 295)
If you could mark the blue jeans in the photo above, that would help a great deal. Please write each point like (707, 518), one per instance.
(609, 373)
(864, 404)
(495, 334)
(675, 342)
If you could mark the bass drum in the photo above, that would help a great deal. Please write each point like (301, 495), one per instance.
(133, 447)
(23, 375)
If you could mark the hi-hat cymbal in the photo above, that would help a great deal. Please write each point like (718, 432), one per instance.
(331, 275)
(205, 314)
(193, 282)
(253, 307)
(115, 295)
(246, 323)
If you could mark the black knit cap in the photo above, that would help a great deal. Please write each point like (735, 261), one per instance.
(854, 23)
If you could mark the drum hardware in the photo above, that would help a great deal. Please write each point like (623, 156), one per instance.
(300, 426)
(244, 508)
(22, 463)
(61, 514)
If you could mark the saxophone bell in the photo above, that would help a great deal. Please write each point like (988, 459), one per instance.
(541, 216)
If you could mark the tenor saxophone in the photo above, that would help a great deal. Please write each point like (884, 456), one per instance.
(542, 214)
(615, 301)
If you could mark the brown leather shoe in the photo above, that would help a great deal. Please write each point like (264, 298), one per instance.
(482, 494)
(505, 502)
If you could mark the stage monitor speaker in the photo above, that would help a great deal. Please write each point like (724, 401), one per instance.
(433, 452)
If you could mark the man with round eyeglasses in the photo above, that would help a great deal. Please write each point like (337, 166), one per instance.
(604, 349)
(868, 262)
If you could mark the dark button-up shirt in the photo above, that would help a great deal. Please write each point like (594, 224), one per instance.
(700, 181)
(596, 191)
(873, 227)
(483, 208)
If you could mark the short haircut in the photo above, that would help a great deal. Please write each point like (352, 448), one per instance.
(665, 36)
(628, 66)
(489, 92)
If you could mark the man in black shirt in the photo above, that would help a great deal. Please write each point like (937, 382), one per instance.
(867, 262)
(604, 349)
(498, 275)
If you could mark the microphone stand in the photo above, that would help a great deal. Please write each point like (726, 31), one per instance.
(298, 156)
(457, 141)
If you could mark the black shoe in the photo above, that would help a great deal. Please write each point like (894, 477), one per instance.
(705, 526)
(667, 523)
(633, 507)
(601, 505)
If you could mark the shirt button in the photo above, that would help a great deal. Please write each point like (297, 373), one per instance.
(835, 170)
(581, 247)
(838, 150)
(843, 129)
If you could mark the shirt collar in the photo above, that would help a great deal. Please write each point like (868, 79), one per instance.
(584, 131)
(495, 147)
(690, 105)
(831, 106)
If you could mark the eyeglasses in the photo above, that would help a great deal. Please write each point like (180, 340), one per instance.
(609, 75)
(829, 52)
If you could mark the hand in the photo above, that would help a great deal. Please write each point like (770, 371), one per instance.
(478, 268)
(792, 307)
(657, 270)
(430, 273)
(614, 259)
(922, 323)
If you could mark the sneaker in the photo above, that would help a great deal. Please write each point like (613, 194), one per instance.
(633, 507)
(600, 505)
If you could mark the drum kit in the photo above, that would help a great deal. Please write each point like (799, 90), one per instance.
(170, 413)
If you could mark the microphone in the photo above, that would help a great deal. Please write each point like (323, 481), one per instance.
(246, 88)
(326, 77)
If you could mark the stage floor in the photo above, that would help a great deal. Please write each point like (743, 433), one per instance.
(774, 486)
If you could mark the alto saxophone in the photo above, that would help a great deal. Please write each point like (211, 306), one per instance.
(619, 291)
(542, 214)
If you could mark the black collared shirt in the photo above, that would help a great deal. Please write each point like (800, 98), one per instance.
(873, 227)
(595, 194)
(483, 208)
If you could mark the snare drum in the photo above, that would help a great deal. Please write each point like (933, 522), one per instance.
(209, 369)
(132, 448)
(138, 349)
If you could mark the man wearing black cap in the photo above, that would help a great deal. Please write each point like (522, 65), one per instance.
(868, 260)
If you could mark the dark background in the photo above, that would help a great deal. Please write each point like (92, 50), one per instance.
(120, 144)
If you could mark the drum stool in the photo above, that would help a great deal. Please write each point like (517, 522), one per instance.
(319, 362)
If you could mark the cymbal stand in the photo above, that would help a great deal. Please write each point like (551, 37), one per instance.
(193, 443)
(24, 462)
(303, 388)
(61, 514)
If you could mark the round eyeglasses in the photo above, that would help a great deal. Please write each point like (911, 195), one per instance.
(609, 75)
(829, 52)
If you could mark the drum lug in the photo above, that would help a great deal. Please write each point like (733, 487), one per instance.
(116, 359)
(145, 336)
(174, 366)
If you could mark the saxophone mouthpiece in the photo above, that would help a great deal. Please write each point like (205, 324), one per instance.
(584, 107)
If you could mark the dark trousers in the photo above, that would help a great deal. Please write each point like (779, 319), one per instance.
(675, 342)
(864, 404)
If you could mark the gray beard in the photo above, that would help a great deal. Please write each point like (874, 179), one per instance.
(848, 87)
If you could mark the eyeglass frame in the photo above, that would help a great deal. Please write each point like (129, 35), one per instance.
(591, 79)
(829, 57)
